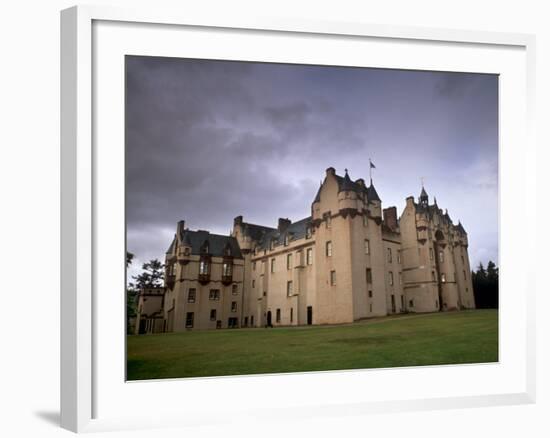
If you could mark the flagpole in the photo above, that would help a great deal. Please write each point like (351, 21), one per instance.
(370, 170)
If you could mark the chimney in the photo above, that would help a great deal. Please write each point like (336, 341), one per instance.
(180, 228)
(283, 224)
(331, 171)
(390, 217)
(238, 221)
(410, 201)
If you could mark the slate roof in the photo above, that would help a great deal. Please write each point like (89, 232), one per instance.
(460, 228)
(296, 230)
(371, 193)
(256, 232)
(216, 243)
(170, 249)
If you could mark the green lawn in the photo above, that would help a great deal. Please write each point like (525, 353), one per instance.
(407, 340)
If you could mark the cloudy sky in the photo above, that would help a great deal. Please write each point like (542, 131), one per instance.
(211, 140)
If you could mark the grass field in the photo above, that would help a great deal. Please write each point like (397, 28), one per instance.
(407, 340)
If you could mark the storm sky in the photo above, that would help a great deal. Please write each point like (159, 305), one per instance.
(211, 140)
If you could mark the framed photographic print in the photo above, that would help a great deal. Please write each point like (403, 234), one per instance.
(321, 216)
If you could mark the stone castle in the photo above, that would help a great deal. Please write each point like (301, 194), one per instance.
(349, 260)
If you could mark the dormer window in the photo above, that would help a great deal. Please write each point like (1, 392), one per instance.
(227, 250)
(308, 232)
(227, 269)
(286, 239)
(205, 248)
(204, 267)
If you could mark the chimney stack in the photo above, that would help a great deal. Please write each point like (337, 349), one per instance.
(331, 171)
(390, 217)
(283, 224)
(238, 221)
(181, 227)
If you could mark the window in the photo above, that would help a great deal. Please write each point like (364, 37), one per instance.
(308, 233)
(402, 302)
(300, 258)
(272, 265)
(252, 321)
(369, 276)
(291, 314)
(278, 315)
(253, 266)
(189, 319)
(204, 267)
(332, 278)
(462, 257)
(370, 308)
(367, 246)
(431, 253)
(400, 278)
(214, 294)
(235, 289)
(328, 249)
(443, 278)
(233, 306)
(411, 303)
(309, 256)
(289, 288)
(328, 220)
(399, 256)
(191, 295)
(174, 267)
(391, 278)
(289, 261)
(218, 324)
(389, 255)
(433, 276)
(272, 244)
(246, 321)
(253, 284)
(227, 269)
(286, 239)
(464, 272)
(440, 256)
(370, 294)
(212, 314)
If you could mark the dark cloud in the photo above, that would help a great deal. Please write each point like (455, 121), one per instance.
(209, 140)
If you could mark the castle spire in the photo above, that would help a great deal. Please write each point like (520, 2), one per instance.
(423, 198)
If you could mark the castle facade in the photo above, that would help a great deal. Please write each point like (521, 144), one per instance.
(348, 260)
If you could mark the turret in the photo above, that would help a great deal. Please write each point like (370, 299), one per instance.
(423, 198)
(374, 201)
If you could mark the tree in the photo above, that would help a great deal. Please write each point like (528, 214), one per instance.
(131, 296)
(152, 275)
(485, 283)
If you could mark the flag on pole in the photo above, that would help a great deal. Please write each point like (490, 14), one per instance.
(372, 166)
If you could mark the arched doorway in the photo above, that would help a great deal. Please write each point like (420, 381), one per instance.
(269, 324)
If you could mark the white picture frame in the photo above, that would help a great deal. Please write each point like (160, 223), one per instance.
(83, 395)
